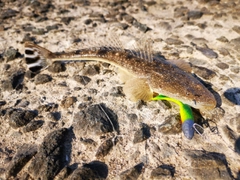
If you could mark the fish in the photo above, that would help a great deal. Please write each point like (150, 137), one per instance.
(144, 75)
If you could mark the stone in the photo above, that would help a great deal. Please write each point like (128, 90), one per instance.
(132, 117)
(11, 54)
(171, 125)
(57, 67)
(222, 66)
(204, 72)
(232, 95)
(93, 170)
(96, 119)
(20, 159)
(142, 134)
(194, 14)
(173, 41)
(19, 117)
(42, 78)
(84, 80)
(117, 91)
(8, 13)
(51, 156)
(207, 52)
(68, 101)
(236, 29)
(90, 70)
(132, 173)
(163, 172)
(33, 126)
(223, 39)
(105, 147)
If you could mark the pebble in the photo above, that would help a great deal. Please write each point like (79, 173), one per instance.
(84, 80)
(96, 119)
(117, 91)
(223, 51)
(223, 39)
(68, 101)
(33, 126)
(171, 125)
(67, 20)
(105, 148)
(11, 54)
(222, 66)
(42, 78)
(208, 165)
(54, 116)
(51, 156)
(94, 170)
(236, 29)
(57, 67)
(173, 41)
(90, 70)
(180, 11)
(19, 117)
(237, 145)
(235, 69)
(163, 172)
(232, 95)
(194, 14)
(207, 52)
(52, 27)
(2, 102)
(64, 173)
(142, 27)
(142, 134)
(8, 13)
(132, 117)
(204, 72)
(38, 31)
(132, 173)
(20, 159)
(236, 43)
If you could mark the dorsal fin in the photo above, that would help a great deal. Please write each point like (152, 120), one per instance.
(138, 89)
(182, 65)
(143, 49)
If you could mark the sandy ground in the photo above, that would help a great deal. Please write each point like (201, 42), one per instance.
(131, 140)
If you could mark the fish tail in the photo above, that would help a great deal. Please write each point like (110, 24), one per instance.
(37, 57)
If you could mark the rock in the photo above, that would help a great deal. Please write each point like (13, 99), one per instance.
(64, 173)
(207, 52)
(52, 27)
(173, 41)
(194, 14)
(68, 101)
(237, 145)
(2, 103)
(208, 165)
(51, 157)
(132, 173)
(11, 54)
(232, 95)
(222, 66)
(236, 29)
(180, 11)
(84, 80)
(19, 117)
(171, 125)
(128, 18)
(96, 119)
(204, 72)
(93, 170)
(57, 67)
(90, 70)
(54, 116)
(142, 27)
(8, 13)
(38, 31)
(105, 147)
(117, 91)
(88, 21)
(33, 126)
(236, 43)
(163, 172)
(42, 78)
(67, 20)
(235, 69)
(20, 159)
(142, 134)
(223, 39)
(132, 117)
(223, 51)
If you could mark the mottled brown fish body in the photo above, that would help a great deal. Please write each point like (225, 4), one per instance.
(162, 76)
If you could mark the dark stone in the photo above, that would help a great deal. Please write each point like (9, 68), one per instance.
(142, 134)
(93, 170)
(171, 125)
(68, 101)
(142, 27)
(11, 54)
(42, 78)
(163, 171)
(57, 67)
(236, 29)
(204, 72)
(232, 95)
(194, 14)
(52, 27)
(223, 39)
(38, 31)
(84, 80)
(172, 41)
(88, 21)
(48, 107)
(237, 145)
(27, 27)
(97, 119)
(20, 159)
(33, 126)
(207, 52)
(19, 118)
(128, 18)
(209, 165)
(55, 116)
(117, 91)
(91, 70)
(105, 147)
(222, 66)
(132, 117)
(132, 173)
(180, 11)
(8, 13)
(67, 20)
(2, 103)
(51, 157)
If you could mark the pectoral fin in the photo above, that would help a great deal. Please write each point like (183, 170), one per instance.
(138, 89)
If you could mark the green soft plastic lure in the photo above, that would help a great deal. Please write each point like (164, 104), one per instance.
(186, 115)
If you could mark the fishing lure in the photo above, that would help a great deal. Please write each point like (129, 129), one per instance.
(186, 115)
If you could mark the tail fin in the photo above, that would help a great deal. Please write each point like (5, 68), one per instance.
(36, 57)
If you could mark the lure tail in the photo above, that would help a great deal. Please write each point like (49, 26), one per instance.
(37, 57)
(185, 113)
